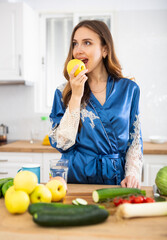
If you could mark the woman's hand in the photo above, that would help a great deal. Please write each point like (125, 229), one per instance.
(77, 83)
(130, 182)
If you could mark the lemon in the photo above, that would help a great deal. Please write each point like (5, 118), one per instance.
(25, 181)
(72, 63)
(57, 190)
(16, 201)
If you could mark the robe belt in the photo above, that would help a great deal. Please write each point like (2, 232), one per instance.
(103, 163)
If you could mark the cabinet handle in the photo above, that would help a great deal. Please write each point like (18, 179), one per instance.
(3, 160)
(3, 172)
(19, 64)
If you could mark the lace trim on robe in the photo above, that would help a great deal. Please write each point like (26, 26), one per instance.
(65, 134)
(134, 156)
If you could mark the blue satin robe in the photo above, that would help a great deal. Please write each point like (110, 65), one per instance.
(98, 156)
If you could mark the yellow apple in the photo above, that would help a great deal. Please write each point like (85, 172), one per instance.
(60, 179)
(16, 201)
(25, 181)
(72, 63)
(57, 189)
(41, 194)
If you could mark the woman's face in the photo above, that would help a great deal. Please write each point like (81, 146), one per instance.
(87, 47)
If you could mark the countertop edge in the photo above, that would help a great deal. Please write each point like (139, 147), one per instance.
(23, 146)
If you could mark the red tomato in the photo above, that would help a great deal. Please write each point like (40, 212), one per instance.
(117, 201)
(149, 200)
(126, 201)
(138, 199)
(132, 198)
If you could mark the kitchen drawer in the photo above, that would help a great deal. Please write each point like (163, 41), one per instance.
(10, 163)
(11, 169)
(20, 157)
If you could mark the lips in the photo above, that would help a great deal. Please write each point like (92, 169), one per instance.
(84, 60)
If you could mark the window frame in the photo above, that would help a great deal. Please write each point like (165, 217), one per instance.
(40, 93)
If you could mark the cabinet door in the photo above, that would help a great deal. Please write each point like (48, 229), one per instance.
(152, 164)
(10, 57)
(10, 163)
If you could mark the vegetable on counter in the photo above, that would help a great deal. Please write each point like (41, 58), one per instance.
(104, 194)
(132, 199)
(72, 216)
(141, 210)
(161, 181)
(6, 185)
(50, 207)
(2, 182)
(79, 201)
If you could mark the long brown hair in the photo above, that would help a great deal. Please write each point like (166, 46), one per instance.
(111, 62)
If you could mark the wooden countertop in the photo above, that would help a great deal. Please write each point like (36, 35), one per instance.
(19, 227)
(37, 147)
(26, 146)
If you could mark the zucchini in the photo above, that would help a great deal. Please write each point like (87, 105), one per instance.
(104, 194)
(2, 182)
(75, 202)
(74, 217)
(6, 186)
(50, 207)
(81, 201)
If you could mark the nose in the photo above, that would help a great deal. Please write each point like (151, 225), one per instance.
(78, 49)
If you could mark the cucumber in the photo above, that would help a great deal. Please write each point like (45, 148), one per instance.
(2, 182)
(81, 201)
(73, 217)
(6, 186)
(50, 207)
(75, 202)
(104, 194)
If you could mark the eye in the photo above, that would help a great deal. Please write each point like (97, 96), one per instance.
(87, 43)
(74, 44)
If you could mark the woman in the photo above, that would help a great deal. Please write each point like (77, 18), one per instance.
(95, 116)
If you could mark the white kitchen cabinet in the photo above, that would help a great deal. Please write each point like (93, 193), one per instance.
(152, 164)
(18, 42)
(46, 168)
(10, 163)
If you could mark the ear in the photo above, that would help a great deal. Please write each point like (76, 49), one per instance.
(105, 51)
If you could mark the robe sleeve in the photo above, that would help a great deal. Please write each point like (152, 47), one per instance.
(64, 124)
(134, 155)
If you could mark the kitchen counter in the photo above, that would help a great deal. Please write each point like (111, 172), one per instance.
(26, 146)
(19, 227)
(37, 147)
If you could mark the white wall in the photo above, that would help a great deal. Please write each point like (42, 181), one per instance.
(141, 44)
(140, 38)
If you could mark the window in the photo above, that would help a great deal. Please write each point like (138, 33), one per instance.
(54, 36)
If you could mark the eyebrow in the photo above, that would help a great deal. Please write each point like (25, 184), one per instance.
(85, 39)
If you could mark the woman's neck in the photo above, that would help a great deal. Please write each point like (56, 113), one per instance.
(98, 76)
